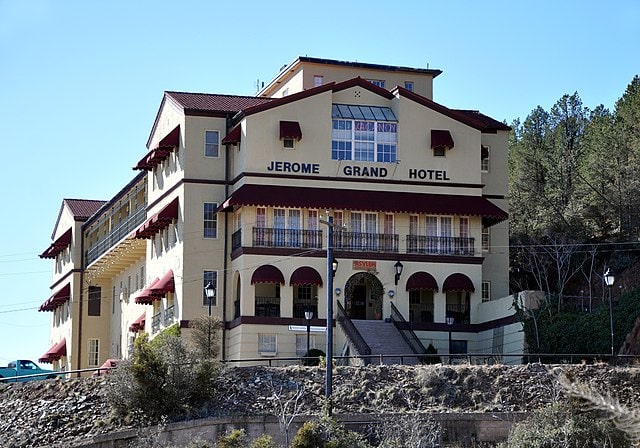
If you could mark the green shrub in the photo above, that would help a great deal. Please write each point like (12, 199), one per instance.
(327, 434)
(235, 439)
(308, 436)
(312, 357)
(565, 426)
(264, 441)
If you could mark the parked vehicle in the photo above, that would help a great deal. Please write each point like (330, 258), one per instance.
(23, 367)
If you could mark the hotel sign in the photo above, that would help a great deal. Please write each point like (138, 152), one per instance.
(363, 265)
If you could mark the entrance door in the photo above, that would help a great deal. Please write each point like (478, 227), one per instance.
(358, 302)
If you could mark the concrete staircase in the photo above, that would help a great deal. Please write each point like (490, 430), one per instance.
(384, 339)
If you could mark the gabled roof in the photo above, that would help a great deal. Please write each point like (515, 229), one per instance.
(489, 123)
(194, 103)
(82, 209)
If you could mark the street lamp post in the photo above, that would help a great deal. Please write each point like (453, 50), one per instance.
(450, 321)
(210, 292)
(308, 314)
(609, 279)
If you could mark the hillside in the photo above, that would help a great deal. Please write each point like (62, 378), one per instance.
(62, 412)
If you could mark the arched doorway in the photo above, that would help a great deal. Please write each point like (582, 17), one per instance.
(363, 296)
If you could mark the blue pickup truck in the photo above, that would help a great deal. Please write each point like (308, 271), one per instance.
(23, 367)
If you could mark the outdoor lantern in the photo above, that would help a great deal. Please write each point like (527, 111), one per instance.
(308, 314)
(398, 266)
(334, 266)
(609, 278)
(210, 292)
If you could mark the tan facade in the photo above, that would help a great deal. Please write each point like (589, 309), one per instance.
(236, 190)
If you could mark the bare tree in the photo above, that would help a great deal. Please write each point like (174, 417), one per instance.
(287, 405)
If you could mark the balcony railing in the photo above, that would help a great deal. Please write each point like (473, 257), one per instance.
(236, 240)
(270, 237)
(440, 245)
(365, 242)
(421, 312)
(460, 313)
(268, 306)
(116, 235)
(168, 315)
(302, 305)
(155, 323)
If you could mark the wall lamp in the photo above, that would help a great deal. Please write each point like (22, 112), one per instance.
(398, 267)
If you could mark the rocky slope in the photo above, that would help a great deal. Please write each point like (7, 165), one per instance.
(62, 412)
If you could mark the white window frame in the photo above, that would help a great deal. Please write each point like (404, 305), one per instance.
(267, 344)
(485, 163)
(440, 151)
(377, 82)
(318, 80)
(301, 343)
(213, 220)
(289, 143)
(93, 352)
(211, 149)
(486, 239)
(486, 291)
(409, 85)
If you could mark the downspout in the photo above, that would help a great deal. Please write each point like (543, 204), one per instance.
(79, 356)
(226, 245)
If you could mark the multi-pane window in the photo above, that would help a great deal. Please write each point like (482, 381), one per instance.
(486, 239)
(301, 343)
(318, 80)
(413, 224)
(95, 293)
(377, 82)
(279, 226)
(364, 133)
(484, 158)
(486, 291)
(210, 220)
(294, 227)
(408, 85)
(261, 224)
(93, 352)
(267, 344)
(438, 233)
(312, 220)
(209, 277)
(212, 143)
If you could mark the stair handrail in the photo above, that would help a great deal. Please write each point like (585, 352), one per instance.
(406, 332)
(352, 333)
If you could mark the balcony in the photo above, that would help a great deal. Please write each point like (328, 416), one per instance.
(302, 305)
(421, 312)
(155, 323)
(116, 235)
(296, 238)
(440, 245)
(268, 306)
(459, 312)
(365, 242)
(169, 313)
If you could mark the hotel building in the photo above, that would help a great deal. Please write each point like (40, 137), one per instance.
(242, 192)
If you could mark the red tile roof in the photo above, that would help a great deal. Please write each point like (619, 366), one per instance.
(83, 208)
(208, 103)
(489, 123)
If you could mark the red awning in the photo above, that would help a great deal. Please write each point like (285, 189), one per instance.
(366, 200)
(290, 129)
(146, 297)
(441, 138)
(305, 275)
(56, 352)
(164, 285)
(233, 136)
(159, 221)
(138, 324)
(160, 152)
(267, 274)
(57, 246)
(422, 280)
(458, 282)
(57, 299)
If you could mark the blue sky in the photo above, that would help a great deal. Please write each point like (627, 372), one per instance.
(81, 82)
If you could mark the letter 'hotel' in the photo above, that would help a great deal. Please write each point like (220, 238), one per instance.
(235, 191)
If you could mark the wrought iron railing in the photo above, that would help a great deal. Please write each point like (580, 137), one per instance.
(302, 305)
(115, 236)
(440, 245)
(267, 306)
(236, 239)
(155, 323)
(460, 313)
(168, 315)
(270, 237)
(352, 333)
(406, 332)
(365, 242)
(421, 312)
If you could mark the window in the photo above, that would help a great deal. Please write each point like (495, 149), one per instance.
(365, 133)
(113, 300)
(438, 234)
(458, 347)
(279, 226)
(211, 144)
(93, 352)
(486, 239)
(94, 301)
(439, 151)
(288, 143)
(210, 220)
(294, 228)
(127, 292)
(267, 344)
(484, 159)
(486, 291)
(318, 80)
(377, 82)
(312, 222)
(408, 85)
(261, 224)
(209, 276)
(285, 92)
(301, 343)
